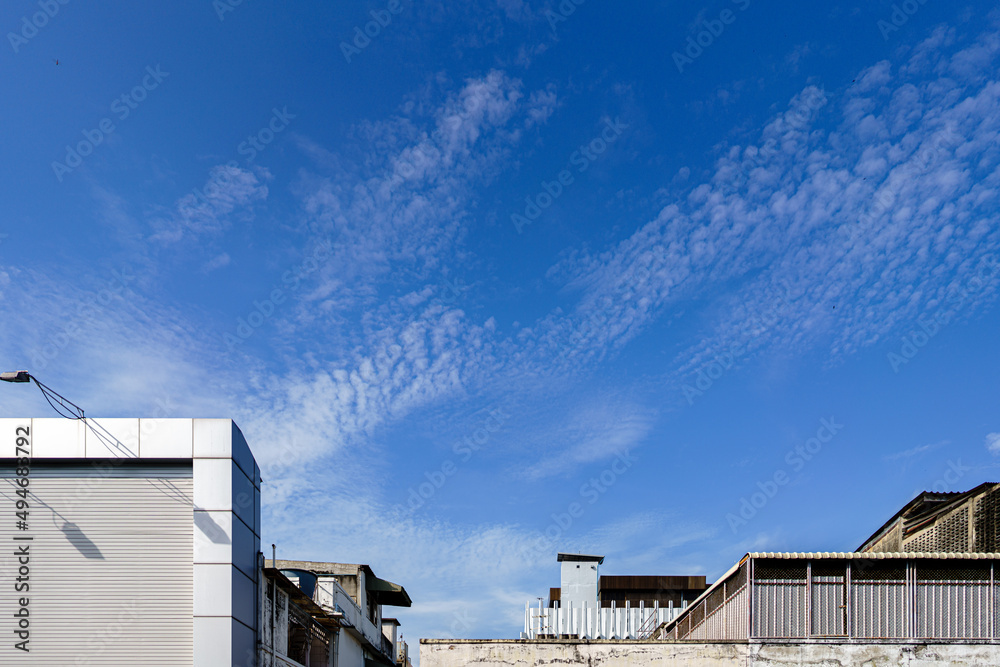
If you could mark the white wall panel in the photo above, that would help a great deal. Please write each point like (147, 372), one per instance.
(244, 554)
(9, 435)
(213, 536)
(212, 643)
(243, 496)
(243, 595)
(214, 484)
(110, 576)
(166, 438)
(59, 438)
(213, 590)
(213, 438)
(112, 438)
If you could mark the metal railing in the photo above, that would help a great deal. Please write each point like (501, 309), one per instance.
(594, 622)
(846, 597)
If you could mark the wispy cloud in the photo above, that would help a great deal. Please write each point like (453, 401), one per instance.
(208, 211)
(592, 431)
(993, 443)
(217, 262)
(863, 226)
(908, 454)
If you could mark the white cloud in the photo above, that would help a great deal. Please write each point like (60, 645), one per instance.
(805, 223)
(993, 443)
(907, 454)
(541, 104)
(207, 211)
(217, 262)
(863, 229)
(588, 432)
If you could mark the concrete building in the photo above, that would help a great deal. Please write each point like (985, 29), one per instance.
(578, 580)
(137, 541)
(778, 609)
(582, 581)
(606, 653)
(870, 607)
(352, 595)
(295, 631)
(589, 605)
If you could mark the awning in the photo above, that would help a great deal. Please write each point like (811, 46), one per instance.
(389, 593)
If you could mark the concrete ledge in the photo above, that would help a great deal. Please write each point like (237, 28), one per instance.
(619, 653)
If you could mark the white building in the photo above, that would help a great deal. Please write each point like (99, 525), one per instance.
(137, 541)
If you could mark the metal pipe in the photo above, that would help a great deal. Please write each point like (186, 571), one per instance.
(848, 586)
(274, 598)
(807, 631)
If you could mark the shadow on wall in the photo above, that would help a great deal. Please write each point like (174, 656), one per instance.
(80, 541)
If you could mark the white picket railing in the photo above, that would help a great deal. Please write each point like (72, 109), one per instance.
(594, 622)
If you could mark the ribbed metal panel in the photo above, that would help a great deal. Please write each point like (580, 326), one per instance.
(885, 596)
(779, 602)
(953, 603)
(878, 601)
(128, 469)
(855, 555)
(829, 599)
(111, 570)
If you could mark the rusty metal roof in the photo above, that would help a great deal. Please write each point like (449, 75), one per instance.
(927, 505)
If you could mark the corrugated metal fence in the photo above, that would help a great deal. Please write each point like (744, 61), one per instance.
(895, 596)
(595, 622)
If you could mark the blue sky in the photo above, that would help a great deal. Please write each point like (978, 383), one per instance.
(509, 278)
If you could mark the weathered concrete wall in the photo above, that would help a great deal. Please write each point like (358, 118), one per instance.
(526, 653)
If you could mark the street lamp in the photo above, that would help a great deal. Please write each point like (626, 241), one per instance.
(54, 399)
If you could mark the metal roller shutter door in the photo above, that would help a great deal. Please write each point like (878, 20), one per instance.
(111, 567)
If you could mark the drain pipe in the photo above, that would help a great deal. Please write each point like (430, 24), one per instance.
(274, 598)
